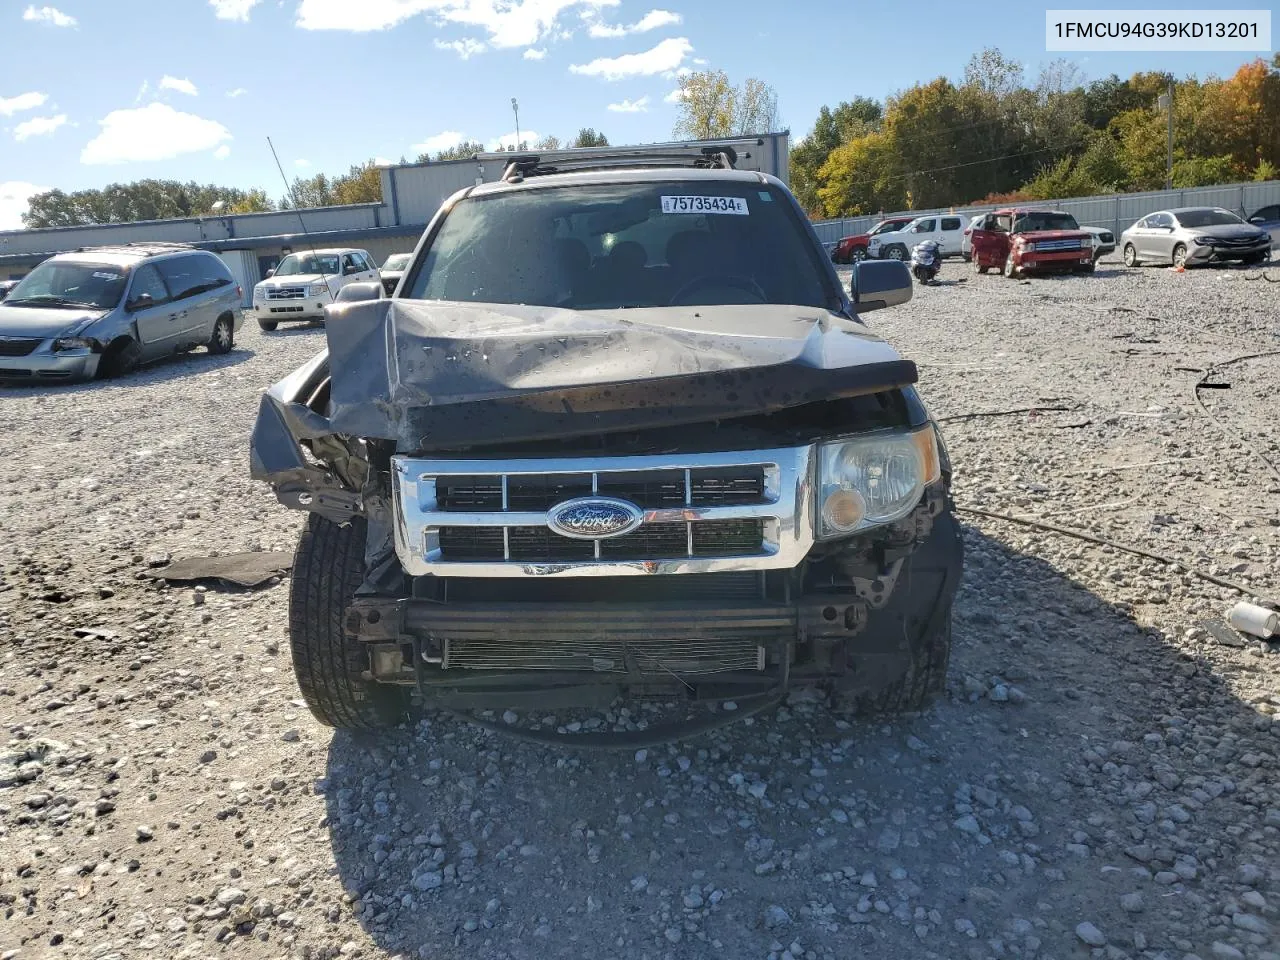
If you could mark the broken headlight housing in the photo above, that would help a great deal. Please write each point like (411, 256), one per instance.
(873, 480)
(72, 343)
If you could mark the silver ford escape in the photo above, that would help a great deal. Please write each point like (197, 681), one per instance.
(105, 310)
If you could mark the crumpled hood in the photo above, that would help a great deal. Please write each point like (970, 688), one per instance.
(439, 374)
(1229, 231)
(1035, 235)
(43, 321)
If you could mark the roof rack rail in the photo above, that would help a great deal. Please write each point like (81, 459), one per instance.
(139, 245)
(716, 157)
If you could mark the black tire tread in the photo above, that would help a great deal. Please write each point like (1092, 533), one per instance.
(213, 346)
(924, 678)
(328, 568)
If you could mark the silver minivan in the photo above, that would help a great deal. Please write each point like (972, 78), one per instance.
(105, 310)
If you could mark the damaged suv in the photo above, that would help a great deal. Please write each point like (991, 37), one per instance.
(620, 434)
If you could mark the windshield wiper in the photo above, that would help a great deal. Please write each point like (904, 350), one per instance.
(49, 299)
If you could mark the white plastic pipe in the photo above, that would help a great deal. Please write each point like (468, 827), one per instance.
(1252, 619)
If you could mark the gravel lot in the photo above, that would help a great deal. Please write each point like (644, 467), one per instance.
(1102, 776)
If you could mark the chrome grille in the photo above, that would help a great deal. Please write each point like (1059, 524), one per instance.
(17, 346)
(701, 513)
(1051, 246)
(287, 293)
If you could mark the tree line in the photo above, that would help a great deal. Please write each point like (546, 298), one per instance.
(995, 137)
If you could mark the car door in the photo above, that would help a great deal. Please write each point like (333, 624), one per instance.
(991, 240)
(370, 273)
(350, 269)
(950, 234)
(192, 314)
(150, 310)
(926, 229)
(1159, 237)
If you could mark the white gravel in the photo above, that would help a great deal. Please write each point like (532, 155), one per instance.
(1102, 775)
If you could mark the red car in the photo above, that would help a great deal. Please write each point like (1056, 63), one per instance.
(852, 249)
(1020, 240)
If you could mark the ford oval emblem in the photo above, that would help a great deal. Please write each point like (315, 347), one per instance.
(594, 518)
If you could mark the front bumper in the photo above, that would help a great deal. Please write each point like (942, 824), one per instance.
(851, 610)
(1053, 260)
(42, 364)
(1208, 253)
(289, 311)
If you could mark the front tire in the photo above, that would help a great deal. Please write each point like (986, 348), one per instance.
(328, 568)
(224, 335)
(1010, 268)
(121, 358)
(979, 266)
(923, 677)
(1131, 256)
(859, 253)
(895, 252)
(268, 325)
(1180, 255)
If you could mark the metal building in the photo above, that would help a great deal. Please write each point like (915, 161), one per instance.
(252, 243)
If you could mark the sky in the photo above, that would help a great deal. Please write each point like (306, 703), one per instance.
(100, 91)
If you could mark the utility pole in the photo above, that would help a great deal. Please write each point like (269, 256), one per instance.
(1166, 101)
(515, 108)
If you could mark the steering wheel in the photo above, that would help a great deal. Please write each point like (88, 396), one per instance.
(724, 279)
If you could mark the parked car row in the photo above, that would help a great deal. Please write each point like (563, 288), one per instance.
(103, 311)
(1024, 239)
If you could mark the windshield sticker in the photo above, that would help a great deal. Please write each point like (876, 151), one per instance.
(103, 275)
(734, 205)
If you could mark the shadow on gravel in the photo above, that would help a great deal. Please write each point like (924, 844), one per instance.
(293, 330)
(160, 371)
(1074, 749)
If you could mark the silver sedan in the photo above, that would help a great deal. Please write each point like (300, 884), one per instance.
(1194, 235)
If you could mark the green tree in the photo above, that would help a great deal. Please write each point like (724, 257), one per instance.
(140, 200)
(547, 143)
(463, 151)
(588, 137)
(849, 120)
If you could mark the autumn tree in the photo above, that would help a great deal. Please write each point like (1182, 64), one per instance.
(710, 107)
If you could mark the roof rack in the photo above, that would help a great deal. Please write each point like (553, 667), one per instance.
(140, 246)
(717, 157)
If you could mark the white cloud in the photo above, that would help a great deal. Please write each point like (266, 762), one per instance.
(142, 91)
(466, 48)
(154, 132)
(652, 20)
(181, 85)
(535, 54)
(383, 162)
(38, 126)
(222, 152)
(23, 101)
(237, 92)
(509, 139)
(663, 58)
(441, 141)
(675, 96)
(48, 15)
(233, 9)
(631, 106)
(508, 23)
(302, 163)
(14, 195)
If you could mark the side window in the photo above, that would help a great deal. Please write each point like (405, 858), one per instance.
(950, 223)
(182, 276)
(348, 265)
(364, 262)
(1161, 220)
(147, 279)
(1004, 223)
(211, 272)
(1141, 224)
(926, 226)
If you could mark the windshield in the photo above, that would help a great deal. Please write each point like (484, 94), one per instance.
(1207, 218)
(61, 284)
(397, 261)
(302, 264)
(887, 226)
(627, 245)
(1027, 222)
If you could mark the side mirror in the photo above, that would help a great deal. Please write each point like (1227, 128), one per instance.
(1257, 220)
(877, 284)
(271, 273)
(354, 292)
(140, 302)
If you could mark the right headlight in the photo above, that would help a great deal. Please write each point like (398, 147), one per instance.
(873, 480)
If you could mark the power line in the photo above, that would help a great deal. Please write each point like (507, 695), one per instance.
(953, 166)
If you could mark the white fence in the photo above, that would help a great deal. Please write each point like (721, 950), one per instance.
(1117, 211)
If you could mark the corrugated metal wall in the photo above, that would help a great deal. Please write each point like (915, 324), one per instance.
(1117, 211)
